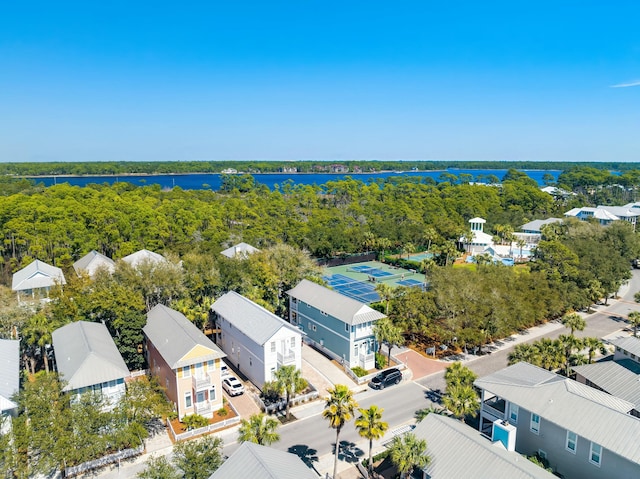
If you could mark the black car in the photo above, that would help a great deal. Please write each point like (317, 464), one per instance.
(386, 378)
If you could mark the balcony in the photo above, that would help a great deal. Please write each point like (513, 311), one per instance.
(203, 408)
(495, 407)
(201, 383)
(287, 358)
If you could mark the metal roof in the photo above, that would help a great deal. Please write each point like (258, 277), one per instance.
(250, 318)
(240, 249)
(9, 372)
(535, 225)
(92, 261)
(619, 378)
(86, 355)
(447, 438)
(630, 344)
(144, 255)
(261, 462)
(333, 303)
(592, 414)
(620, 211)
(37, 275)
(174, 336)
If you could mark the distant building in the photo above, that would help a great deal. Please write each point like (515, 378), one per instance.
(535, 227)
(605, 215)
(186, 362)
(340, 326)
(143, 256)
(36, 279)
(255, 340)
(288, 169)
(240, 251)
(92, 262)
(479, 239)
(339, 168)
(9, 377)
(87, 359)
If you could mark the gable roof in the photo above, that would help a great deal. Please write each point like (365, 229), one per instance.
(37, 275)
(535, 225)
(250, 318)
(134, 259)
(239, 250)
(567, 403)
(174, 336)
(620, 211)
(86, 355)
(92, 261)
(447, 437)
(262, 462)
(9, 372)
(333, 303)
(630, 344)
(620, 378)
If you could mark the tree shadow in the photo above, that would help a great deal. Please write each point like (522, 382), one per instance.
(307, 454)
(349, 452)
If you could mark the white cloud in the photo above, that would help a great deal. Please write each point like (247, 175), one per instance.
(628, 84)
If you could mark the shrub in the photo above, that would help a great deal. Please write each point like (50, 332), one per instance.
(222, 412)
(381, 361)
(194, 421)
(271, 391)
(376, 458)
(358, 371)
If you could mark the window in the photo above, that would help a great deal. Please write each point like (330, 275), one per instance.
(595, 455)
(187, 399)
(294, 300)
(212, 393)
(273, 346)
(535, 423)
(186, 372)
(293, 342)
(572, 440)
(313, 328)
(210, 365)
(513, 413)
(294, 317)
(542, 454)
(346, 327)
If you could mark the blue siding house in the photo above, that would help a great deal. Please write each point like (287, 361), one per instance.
(340, 326)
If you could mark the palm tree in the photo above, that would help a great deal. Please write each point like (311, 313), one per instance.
(430, 234)
(634, 319)
(386, 332)
(339, 410)
(371, 426)
(259, 429)
(593, 345)
(459, 375)
(574, 322)
(549, 354)
(461, 400)
(520, 243)
(528, 353)
(385, 292)
(421, 414)
(37, 333)
(289, 380)
(569, 344)
(408, 452)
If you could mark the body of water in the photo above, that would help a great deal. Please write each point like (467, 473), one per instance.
(212, 181)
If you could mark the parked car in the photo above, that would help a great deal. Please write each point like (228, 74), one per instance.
(386, 378)
(224, 370)
(232, 386)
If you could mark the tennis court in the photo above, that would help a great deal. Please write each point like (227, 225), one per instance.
(358, 290)
(410, 282)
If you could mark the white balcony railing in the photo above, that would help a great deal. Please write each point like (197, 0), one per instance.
(201, 383)
(287, 358)
(367, 361)
(203, 408)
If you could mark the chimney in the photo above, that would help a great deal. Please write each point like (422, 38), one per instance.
(505, 433)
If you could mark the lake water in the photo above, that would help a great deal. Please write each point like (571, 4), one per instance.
(212, 181)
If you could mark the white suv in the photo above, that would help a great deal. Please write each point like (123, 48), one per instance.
(232, 386)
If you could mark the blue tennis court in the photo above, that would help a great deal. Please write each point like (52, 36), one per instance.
(358, 290)
(375, 272)
(410, 282)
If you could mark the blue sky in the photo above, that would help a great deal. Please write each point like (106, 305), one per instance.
(97, 81)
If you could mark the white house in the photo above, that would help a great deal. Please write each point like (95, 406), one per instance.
(480, 240)
(9, 378)
(92, 262)
(143, 256)
(240, 251)
(255, 340)
(36, 279)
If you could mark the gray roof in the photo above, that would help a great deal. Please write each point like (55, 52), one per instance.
(446, 438)
(86, 355)
(239, 250)
(92, 261)
(630, 344)
(619, 378)
(333, 303)
(535, 225)
(620, 211)
(567, 404)
(174, 336)
(144, 255)
(261, 462)
(37, 275)
(250, 318)
(9, 372)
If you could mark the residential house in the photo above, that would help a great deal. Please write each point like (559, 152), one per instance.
(582, 432)
(605, 215)
(36, 279)
(618, 377)
(9, 378)
(255, 340)
(479, 240)
(143, 256)
(186, 362)
(535, 227)
(87, 359)
(340, 326)
(92, 262)
(447, 438)
(627, 348)
(240, 251)
(261, 462)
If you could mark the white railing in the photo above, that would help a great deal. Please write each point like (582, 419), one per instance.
(204, 430)
(493, 411)
(138, 373)
(288, 358)
(201, 383)
(367, 361)
(203, 407)
(103, 461)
